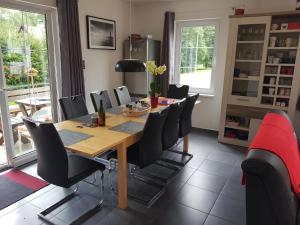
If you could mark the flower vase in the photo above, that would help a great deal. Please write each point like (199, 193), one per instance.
(154, 102)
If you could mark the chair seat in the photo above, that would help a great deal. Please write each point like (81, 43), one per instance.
(80, 168)
(132, 154)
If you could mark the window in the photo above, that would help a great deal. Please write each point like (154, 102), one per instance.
(195, 55)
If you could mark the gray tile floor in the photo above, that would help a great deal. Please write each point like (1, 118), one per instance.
(206, 191)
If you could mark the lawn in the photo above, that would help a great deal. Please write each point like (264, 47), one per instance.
(197, 79)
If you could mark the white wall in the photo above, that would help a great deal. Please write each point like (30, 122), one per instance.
(149, 19)
(99, 73)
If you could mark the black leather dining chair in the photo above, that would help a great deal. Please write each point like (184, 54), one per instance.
(178, 91)
(185, 127)
(122, 95)
(97, 96)
(55, 166)
(148, 149)
(171, 127)
(170, 135)
(185, 122)
(73, 107)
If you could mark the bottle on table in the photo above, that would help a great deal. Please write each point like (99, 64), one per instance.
(101, 115)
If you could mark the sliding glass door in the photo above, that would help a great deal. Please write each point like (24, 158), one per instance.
(27, 84)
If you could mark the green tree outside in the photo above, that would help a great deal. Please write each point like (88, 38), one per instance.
(197, 48)
(22, 46)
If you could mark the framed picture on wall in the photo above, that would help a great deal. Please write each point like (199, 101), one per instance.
(101, 33)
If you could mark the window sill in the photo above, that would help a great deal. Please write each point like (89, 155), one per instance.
(203, 95)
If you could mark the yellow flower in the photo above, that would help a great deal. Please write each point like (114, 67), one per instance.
(152, 68)
(161, 69)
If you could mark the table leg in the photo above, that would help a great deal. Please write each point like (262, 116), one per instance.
(122, 176)
(23, 110)
(186, 144)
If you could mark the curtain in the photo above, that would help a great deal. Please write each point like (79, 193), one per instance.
(70, 48)
(167, 52)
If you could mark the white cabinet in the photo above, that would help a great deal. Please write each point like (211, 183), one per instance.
(262, 72)
(248, 54)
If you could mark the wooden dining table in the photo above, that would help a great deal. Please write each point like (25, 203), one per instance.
(103, 139)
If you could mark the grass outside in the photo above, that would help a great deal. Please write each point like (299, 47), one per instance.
(197, 79)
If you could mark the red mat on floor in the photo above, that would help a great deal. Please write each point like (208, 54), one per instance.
(15, 185)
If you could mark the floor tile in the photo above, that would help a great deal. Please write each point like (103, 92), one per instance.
(26, 214)
(177, 214)
(125, 217)
(234, 190)
(206, 181)
(195, 162)
(184, 174)
(51, 197)
(200, 148)
(217, 168)
(230, 209)
(79, 207)
(224, 157)
(196, 198)
(212, 220)
(236, 175)
(39, 192)
(13, 207)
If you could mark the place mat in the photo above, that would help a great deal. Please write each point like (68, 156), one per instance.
(84, 119)
(69, 137)
(129, 127)
(115, 110)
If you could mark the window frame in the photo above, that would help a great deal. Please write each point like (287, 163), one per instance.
(194, 23)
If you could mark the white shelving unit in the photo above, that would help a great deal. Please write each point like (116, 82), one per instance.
(248, 98)
(282, 48)
(284, 31)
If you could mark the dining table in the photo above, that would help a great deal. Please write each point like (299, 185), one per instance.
(120, 132)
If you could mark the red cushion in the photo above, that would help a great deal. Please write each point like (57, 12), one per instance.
(276, 135)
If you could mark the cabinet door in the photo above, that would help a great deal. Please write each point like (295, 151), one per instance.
(249, 53)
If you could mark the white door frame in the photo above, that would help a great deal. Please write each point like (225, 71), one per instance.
(52, 29)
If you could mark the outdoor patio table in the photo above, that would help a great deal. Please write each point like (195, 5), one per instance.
(33, 103)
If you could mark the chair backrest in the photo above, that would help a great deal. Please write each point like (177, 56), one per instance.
(96, 97)
(171, 127)
(150, 146)
(122, 95)
(52, 159)
(267, 180)
(178, 92)
(185, 122)
(73, 106)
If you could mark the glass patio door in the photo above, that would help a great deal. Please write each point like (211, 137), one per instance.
(26, 80)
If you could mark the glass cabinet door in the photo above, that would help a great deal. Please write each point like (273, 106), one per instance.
(249, 53)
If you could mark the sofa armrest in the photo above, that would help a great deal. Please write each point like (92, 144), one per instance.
(269, 195)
